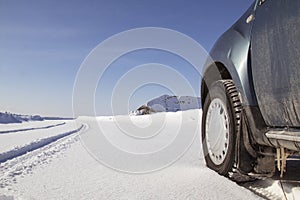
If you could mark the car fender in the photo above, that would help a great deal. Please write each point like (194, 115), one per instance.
(232, 50)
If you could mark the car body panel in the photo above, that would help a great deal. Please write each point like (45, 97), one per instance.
(275, 51)
(232, 50)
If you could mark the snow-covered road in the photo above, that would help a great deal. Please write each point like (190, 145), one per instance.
(17, 137)
(18, 141)
(68, 169)
(65, 170)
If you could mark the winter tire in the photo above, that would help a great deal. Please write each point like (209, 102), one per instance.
(220, 126)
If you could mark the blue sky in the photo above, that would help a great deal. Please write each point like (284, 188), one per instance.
(44, 42)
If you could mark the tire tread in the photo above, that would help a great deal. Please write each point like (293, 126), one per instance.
(235, 103)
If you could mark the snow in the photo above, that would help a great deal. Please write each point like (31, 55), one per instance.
(61, 160)
(166, 103)
(13, 129)
(174, 103)
(6, 118)
(77, 175)
(65, 169)
(18, 140)
(27, 125)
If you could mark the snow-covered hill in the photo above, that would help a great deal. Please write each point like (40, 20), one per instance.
(166, 103)
(7, 118)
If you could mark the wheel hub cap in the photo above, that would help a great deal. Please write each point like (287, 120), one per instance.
(217, 131)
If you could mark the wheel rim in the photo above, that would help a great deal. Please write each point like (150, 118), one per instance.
(217, 131)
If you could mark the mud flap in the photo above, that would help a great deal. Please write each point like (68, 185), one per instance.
(244, 159)
(245, 156)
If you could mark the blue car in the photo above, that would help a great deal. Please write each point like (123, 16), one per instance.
(250, 93)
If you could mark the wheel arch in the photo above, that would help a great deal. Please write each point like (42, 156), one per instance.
(216, 71)
(231, 61)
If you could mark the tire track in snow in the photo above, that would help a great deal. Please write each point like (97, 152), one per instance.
(19, 166)
(29, 129)
(34, 145)
(287, 187)
(258, 187)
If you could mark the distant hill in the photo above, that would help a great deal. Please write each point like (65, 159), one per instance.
(6, 118)
(166, 103)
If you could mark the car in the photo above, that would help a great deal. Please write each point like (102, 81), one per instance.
(250, 93)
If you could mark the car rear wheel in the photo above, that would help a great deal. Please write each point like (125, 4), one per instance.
(220, 125)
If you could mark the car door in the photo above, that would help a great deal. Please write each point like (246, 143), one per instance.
(275, 61)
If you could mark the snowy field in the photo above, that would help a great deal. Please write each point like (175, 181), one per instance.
(67, 167)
